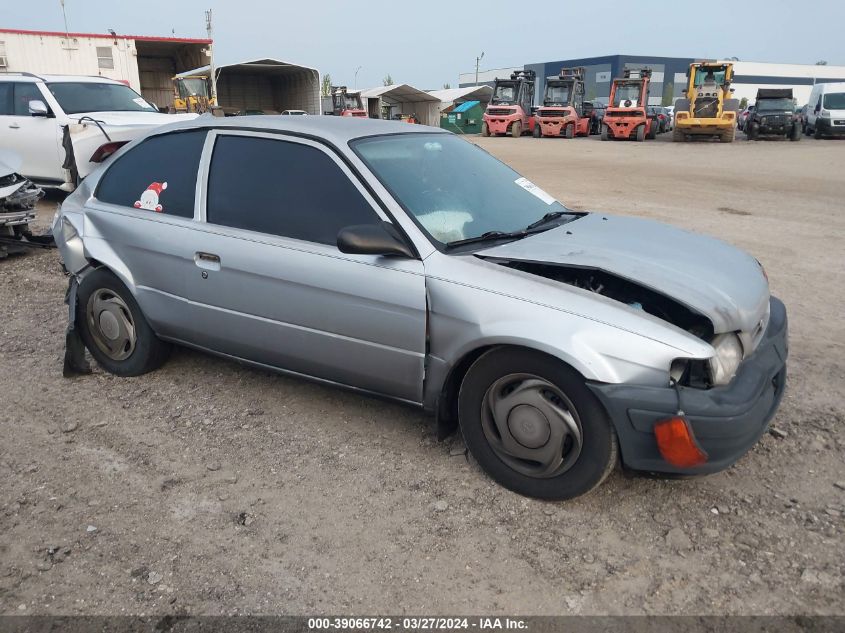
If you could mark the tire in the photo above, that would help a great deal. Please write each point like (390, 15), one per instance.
(485, 131)
(817, 133)
(751, 132)
(640, 133)
(570, 131)
(795, 133)
(652, 130)
(728, 135)
(537, 131)
(605, 133)
(678, 135)
(104, 307)
(516, 129)
(517, 380)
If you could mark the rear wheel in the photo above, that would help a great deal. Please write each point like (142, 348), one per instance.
(516, 129)
(570, 131)
(534, 426)
(605, 133)
(641, 133)
(114, 329)
(485, 131)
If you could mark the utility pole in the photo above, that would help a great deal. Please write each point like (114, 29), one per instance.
(209, 30)
(355, 81)
(477, 62)
(64, 15)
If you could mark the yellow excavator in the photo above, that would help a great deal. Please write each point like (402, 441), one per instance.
(192, 94)
(707, 107)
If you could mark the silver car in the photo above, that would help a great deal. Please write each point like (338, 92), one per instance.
(411, 264)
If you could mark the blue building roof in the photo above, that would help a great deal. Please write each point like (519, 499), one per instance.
(466, 105)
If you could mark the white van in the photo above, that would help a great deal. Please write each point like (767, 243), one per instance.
(826, 110)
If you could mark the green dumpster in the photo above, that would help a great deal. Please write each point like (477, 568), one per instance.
(464, 118)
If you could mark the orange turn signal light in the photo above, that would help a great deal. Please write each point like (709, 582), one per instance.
(677, 442)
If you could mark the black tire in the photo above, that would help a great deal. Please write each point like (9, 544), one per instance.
(640, 134)
(728, 135)
(485, 131)
(538, 133)
(605, 133)
(678, 135)
(599, 448)
(516, 129)
(570, 130)
(652, 130)
(817, 133)
(752, 131)
(795, 132)
(146, 354)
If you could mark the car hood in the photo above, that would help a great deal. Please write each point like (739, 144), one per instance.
(715, 279)
(130, 119)
(10, 162)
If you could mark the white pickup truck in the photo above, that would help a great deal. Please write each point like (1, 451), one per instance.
(61, 126)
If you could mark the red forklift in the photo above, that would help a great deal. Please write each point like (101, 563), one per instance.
(509, 110)
(564, 112)
(345, 104)
(626, 116)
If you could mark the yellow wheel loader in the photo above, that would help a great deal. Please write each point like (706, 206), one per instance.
(192, 94)
(708, 107)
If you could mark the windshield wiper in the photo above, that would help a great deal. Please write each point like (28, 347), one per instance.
(489, 236)
(553, 215)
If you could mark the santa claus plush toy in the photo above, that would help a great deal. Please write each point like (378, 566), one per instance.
(149, 199)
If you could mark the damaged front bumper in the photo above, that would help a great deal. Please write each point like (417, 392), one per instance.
(726, 421)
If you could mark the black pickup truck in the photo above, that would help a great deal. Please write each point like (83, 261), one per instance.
(773, 115)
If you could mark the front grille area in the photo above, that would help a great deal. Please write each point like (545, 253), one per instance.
(614, 113)
(776, 119)
(552, 113)
(500, 111)
(706, 108)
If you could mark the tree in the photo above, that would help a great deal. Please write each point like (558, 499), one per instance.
(446, 86)
(743, 103)
(326, 89)
(821, 62)
(668, 93)
(388, 80)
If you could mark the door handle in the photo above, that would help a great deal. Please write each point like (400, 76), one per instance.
(209, 261)
(14, 126)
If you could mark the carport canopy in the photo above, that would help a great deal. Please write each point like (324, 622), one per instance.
(450, 96)
(408, 100)
(265, 84)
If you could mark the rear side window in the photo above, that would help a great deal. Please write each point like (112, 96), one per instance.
(282, 188)
(159, 175)
(6, 97)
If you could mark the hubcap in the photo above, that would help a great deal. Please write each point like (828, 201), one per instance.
(111, 325)
(531, 425)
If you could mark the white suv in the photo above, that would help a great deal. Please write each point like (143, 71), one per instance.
(62, 125)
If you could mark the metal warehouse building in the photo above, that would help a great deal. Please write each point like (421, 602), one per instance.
(147, 64)
(669, 76)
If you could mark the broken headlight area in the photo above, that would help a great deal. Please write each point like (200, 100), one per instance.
(710, 372)
(624, 291)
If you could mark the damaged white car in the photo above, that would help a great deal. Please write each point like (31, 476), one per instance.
(17, 205)
(413, 265)
(62, 126)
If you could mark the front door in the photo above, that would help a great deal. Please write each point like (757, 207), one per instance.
(35, 139)
(270, 286)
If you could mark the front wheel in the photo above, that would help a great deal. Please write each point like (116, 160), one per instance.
(795, 133)
(817, 133)
(570, 131)
(537, 131)
(485, 131)
(533, 425)
(678, 135)
(516, 129)
(114, 329)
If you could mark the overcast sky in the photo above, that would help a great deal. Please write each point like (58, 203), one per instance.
(428, 43)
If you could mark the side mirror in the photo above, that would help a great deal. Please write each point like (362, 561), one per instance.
(372, 239)
(38, 108)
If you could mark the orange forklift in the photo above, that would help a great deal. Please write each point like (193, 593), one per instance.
(626, 116)
(345, 104)
(509, 110)
(564, 112)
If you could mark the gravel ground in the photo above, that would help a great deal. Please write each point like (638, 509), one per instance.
(211, 488)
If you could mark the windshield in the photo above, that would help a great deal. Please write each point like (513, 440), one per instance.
(97, 97)
(627, 92)
(557, 94)
(764, 105)
(709, 75)
(834, 101)
(193, 87)
(505, 93)
(452, 188)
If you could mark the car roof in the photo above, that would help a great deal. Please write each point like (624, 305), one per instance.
(32, 78)
(335, 129)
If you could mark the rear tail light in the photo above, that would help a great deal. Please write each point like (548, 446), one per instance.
(677, 443)
(106, 150)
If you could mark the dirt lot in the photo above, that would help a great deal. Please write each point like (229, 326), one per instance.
(208, 487)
